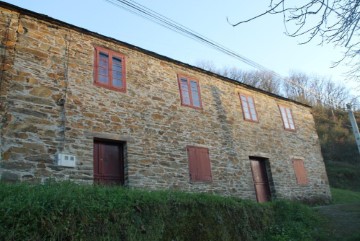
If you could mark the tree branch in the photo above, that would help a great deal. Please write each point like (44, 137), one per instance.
(336, 22)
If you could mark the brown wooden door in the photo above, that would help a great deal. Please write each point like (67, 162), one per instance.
(108, 162)
(261, 182)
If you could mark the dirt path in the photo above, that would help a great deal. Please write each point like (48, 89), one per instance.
(344, 221)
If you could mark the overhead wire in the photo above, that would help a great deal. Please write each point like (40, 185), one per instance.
(153, 16)
(145, 12)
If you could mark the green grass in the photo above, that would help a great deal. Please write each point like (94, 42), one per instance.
(344, 175)
(341, 196)
(66, 211)
(342, 219)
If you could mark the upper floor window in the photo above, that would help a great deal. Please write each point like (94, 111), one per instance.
(287, 117)
(199, 164)
(248, 107)
(110, 69)
(189, 92)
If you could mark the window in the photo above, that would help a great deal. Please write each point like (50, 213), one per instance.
(300, 172)
(287, 117)
(189, 92)
(110, 69)
(248, 107)
(199, 164)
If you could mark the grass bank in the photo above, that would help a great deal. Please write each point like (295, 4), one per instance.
(343, 216)
(342, 196)
(65, 211)
(343, 175)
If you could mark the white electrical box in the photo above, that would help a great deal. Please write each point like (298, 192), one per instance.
(66, 160)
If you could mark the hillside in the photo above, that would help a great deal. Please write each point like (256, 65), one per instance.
(336, 137)
(338, 147)
(344, 175)
(65, 211)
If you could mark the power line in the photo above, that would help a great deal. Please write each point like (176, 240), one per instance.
(158, 18)
(143, 11)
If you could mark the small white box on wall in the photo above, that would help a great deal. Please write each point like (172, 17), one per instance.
(66, 160)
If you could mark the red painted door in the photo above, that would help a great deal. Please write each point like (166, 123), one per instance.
(108, 162)
(261, 182)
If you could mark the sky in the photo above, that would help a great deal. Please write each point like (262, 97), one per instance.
(262, 40)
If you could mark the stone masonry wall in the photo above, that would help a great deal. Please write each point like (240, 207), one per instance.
(46, 62)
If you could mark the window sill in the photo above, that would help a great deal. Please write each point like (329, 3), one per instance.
(110, 87)
(253, 121)
(193, 107)
(291, 130)
(200, 182)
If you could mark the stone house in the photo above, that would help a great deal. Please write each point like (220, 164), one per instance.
(76, 105)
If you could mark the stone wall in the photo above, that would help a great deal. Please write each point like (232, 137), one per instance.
(49, 104)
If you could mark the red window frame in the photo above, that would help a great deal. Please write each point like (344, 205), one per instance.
(111, 55)
(287, 118)
(199, 164)
(300, 172)
(187, 94)
(248, 108)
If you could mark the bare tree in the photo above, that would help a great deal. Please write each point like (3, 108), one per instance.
(234, 73)
(295, 87)
(316, 90)
(308, 89)
(206, 65)
(335, 95)
(335, 21)
(264, 80)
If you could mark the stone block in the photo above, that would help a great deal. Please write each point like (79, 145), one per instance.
(8, 176)
(17, 165)
(41, 92)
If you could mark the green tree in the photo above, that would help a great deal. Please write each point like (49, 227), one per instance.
(336, 139)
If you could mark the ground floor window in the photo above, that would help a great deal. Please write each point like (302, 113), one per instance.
(199, 164)
(300, 172)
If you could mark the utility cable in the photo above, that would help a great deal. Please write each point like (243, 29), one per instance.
(141, 10)
(153, 16)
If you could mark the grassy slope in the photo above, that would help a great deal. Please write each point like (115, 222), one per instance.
(67, 211)
(342, 196)
(344, 175)
(343, 217)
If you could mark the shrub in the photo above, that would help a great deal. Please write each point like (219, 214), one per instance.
(66, 211)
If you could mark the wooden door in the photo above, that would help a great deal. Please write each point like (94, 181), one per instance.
(261, 182)
(108, 162)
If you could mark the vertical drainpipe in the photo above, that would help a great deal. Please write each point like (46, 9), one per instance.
(3, 47)
(62, 101)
